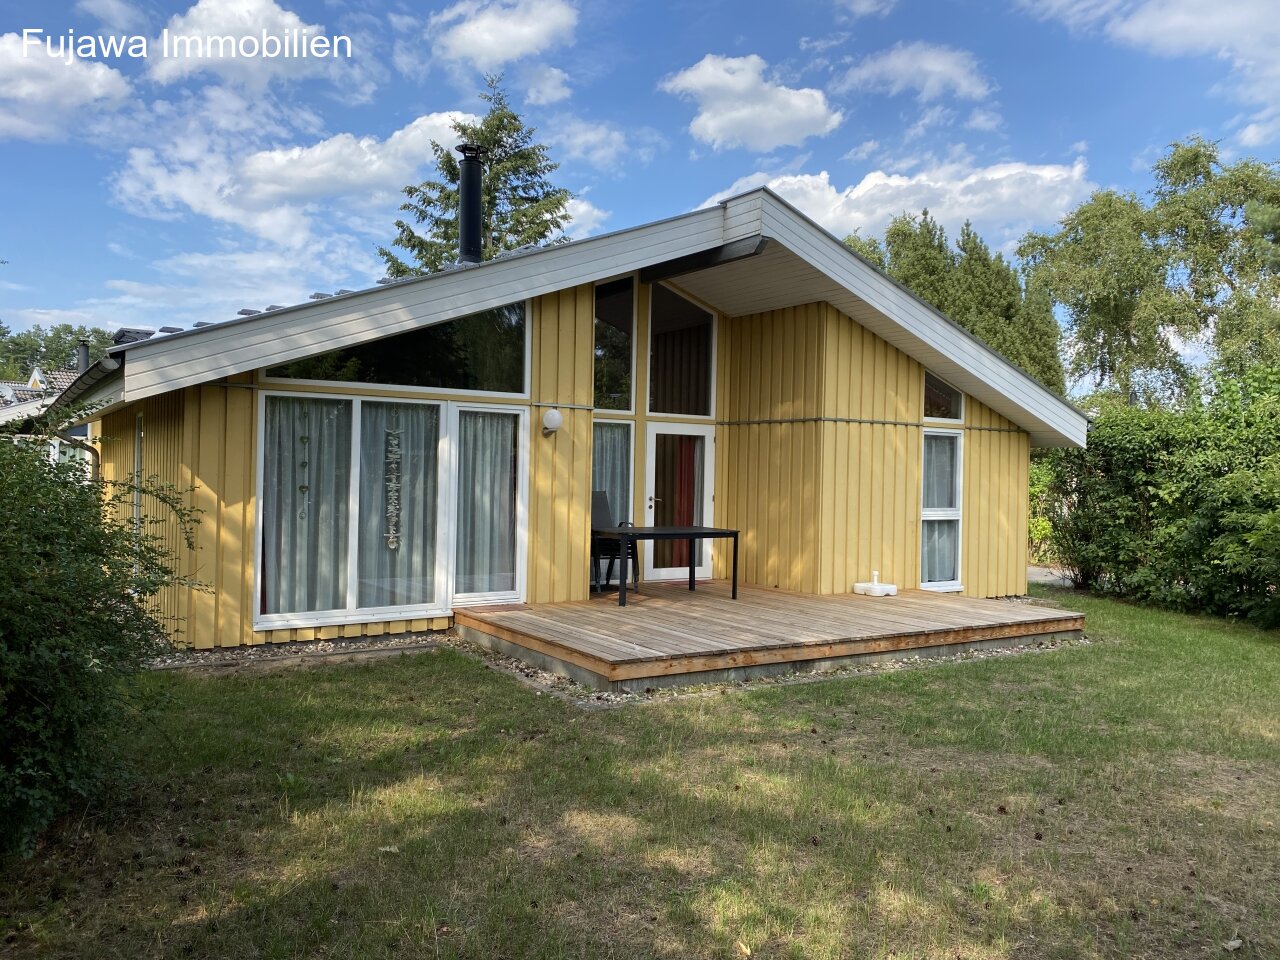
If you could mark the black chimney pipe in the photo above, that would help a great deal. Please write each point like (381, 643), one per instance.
(82, 356)
(470, 172)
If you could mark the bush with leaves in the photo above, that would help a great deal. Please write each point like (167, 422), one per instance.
(1178, 508)
(1039, 527)
(77, 623)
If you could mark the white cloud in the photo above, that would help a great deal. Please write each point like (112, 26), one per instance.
(587, 218)
(863, 150)
(822, 44)
(1003, 200)
(867, 8)
(41, 97)
(599, 144)
(236, 18)
(217, 154)
(931, 70)
(117, 15)
(930, 117)
(545, 85)
(345, 164)
(489, 34)
(1244, 33)
(984, 120)
(1080, 146)
(738, 106)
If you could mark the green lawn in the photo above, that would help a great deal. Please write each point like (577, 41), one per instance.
(1114, 799)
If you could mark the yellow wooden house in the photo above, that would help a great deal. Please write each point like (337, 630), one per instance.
(373, 461)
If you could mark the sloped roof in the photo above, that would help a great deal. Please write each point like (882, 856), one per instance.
(792, 261)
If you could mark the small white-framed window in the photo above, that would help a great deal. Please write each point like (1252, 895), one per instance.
(940, 514)
(942, 401)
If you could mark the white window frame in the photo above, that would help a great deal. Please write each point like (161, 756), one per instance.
(426, 392)
(631, 453)
(446, 540)
(648, 367)
(522, 505)
(630, 411)
(949, 513)
(707, 431)
(959, 393)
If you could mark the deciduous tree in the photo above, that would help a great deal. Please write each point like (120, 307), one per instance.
(1147, 283)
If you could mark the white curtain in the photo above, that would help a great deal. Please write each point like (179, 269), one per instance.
(939, 472)
(399, 491)
(306, 487)
(611, 466)
(486, 550)
(940, 550)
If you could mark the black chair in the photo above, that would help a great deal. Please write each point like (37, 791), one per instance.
(602, 549)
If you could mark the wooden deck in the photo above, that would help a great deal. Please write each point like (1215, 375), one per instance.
(666, 634)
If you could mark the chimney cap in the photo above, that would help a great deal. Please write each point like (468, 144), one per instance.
(471, 151)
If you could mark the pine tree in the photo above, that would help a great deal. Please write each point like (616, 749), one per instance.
(520, 204)
(918, 257)
(977, 289)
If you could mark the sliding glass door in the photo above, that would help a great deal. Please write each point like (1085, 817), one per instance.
(387, 509)
(488, 529)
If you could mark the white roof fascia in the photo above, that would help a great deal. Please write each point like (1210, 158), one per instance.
(186, 359)
(937, 342)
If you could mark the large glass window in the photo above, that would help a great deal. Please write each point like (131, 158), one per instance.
(679, 356)
(352, 497)
(306, 504)
(488, 461)
(940, 517)
(399, 497)
(485, 351)
(614, 324)
(611, 466)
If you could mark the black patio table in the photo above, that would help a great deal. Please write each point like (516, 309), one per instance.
(627, 536)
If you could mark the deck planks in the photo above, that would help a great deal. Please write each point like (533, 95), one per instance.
(666, 629)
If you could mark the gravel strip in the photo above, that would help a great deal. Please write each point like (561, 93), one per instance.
(354, 650)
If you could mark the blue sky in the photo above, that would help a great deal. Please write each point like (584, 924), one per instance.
(145, 192)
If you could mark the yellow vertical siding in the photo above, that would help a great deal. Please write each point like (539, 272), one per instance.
(997, 457)
(161, 459)
(770, 397)
(560, 465)
(871, 460)
(819, 460)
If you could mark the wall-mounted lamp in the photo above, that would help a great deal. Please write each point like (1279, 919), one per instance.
(552, 421)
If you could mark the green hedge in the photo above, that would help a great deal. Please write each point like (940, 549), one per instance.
(75, 626)
(1177, 508)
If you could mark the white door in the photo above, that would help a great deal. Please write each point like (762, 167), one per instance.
(677, 493)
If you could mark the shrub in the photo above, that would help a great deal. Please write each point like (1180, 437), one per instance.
(1178, 508)
(1039, 526)
(76, 623)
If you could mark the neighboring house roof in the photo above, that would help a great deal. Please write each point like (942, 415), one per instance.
(22, 400)
(54, 381)
(748, 254)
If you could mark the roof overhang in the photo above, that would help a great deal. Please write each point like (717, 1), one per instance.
(748, 254)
